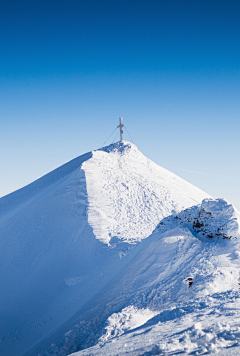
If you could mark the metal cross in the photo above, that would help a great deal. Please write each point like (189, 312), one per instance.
(121, 130)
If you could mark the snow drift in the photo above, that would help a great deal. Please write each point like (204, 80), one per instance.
(63, 238)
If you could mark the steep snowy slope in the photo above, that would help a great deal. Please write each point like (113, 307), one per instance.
(180, 293)
(128, 193)
(63, 236)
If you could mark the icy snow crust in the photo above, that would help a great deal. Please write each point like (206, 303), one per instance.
(150, 308)
(64, 237)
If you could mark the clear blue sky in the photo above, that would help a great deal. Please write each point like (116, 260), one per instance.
(171, 69)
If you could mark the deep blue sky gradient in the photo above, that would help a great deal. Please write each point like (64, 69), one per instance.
(69, 69)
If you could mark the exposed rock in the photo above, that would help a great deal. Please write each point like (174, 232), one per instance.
(214, 218)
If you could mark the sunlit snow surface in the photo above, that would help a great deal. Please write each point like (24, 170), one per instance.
(128, 193)
(67, 235)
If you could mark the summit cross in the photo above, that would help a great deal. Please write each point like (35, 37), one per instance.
(121, 126)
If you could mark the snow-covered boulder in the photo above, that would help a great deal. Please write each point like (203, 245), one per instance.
(213, 218)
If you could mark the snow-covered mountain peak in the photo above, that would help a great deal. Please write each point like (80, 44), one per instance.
(210, 219)
(63, 236)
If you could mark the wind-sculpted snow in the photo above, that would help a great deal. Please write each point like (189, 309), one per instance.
(189, 318)
(128, 193)
(53, 259)
(194, 328)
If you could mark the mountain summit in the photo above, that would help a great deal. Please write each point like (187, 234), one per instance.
(128, 193)
(63, 237)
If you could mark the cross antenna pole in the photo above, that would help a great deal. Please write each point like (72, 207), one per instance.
(121, 128)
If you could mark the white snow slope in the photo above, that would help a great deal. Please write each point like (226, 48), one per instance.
(179, 295)
(63, 238)
(128, 193)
